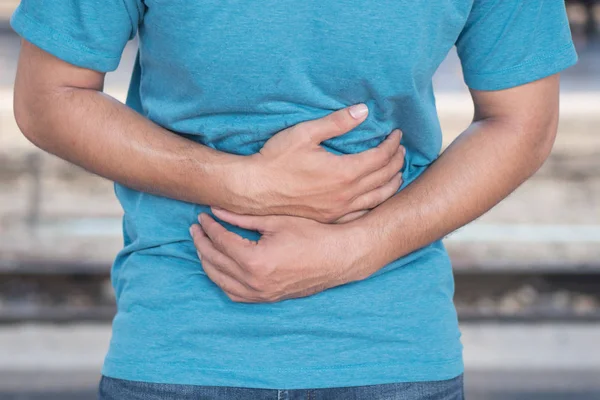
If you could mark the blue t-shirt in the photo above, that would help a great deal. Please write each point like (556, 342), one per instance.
(231, 74)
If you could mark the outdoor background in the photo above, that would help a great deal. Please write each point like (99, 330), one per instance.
(527, 273)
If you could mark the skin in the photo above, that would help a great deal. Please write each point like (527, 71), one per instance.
(511, 136)
(61, 109)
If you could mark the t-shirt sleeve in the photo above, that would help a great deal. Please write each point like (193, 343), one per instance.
(87, 33)
(507, 43)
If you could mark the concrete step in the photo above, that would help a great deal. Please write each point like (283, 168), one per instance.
(480, 246)
(544, 347)
(7, 7)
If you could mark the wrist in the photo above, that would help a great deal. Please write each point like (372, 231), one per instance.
(375, 245)
(360, 248)
(217, 180)
(245, 185)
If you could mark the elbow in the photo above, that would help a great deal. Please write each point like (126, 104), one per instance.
(538, 137)
(544, 139)
(26, 117)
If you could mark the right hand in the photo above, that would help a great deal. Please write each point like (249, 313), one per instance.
(294, 175)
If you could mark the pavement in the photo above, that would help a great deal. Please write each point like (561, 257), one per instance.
(507, 362)
(479, 385)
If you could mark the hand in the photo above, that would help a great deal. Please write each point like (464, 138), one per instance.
(351, 217)
(294, 175)
(295, 257)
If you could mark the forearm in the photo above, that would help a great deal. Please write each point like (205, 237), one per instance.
(480, 168)
(102, 135)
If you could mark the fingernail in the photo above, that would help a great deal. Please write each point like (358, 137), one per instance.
(358, 111)
(192, 231)
(199, 255)
(200, 219)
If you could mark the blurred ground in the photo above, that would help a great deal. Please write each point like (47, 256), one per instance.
(518, 362)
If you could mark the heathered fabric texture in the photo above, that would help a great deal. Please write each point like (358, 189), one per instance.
(230, 74)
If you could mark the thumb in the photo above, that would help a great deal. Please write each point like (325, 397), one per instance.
(252, 222)
(335, 124)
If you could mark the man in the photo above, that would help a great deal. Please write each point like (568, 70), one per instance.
(322, 274)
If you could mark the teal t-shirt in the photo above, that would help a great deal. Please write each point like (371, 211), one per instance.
(230, 74)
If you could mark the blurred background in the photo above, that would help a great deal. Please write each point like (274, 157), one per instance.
(527, 273)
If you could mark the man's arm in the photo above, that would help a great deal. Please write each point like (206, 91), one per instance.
(511, 136)
(61, 109)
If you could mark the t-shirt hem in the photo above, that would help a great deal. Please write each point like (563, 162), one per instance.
(294, 378)
(529, 71)
(60, 45)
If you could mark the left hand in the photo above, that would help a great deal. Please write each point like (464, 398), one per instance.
(295, 257)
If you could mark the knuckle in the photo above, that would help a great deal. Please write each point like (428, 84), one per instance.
(217, 241)
(301, 133)
(386, 194)
(328, 216)
(390, 174)
(323, 215)
(391, 154)
(377, 157)
(398, 163)
(256, 283)
(336, 207)
(338, 121)
(306, 136)
(252, 264)
(387, 156)
(372, 199)
(341, 198)
(368, 202)
(347, 175)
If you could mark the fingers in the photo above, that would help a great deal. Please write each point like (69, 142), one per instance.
(257, 223)
(235, 290)
(221, 269)
(382, 176)
(371, 160)
(334, 124)
(350, 217)
(379, 195)
(208, 253)
(226, 241)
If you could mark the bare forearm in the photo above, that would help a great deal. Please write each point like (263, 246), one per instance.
(484, 165)
(102, 135)
(60, 107)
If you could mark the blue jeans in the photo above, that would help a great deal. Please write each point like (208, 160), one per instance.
(117, 389)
